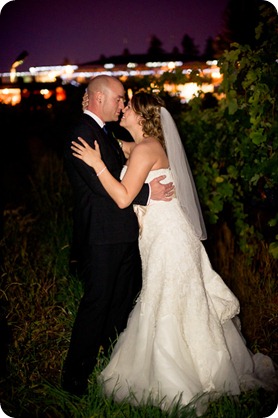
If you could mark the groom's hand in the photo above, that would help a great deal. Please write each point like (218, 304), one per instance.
(161, 191)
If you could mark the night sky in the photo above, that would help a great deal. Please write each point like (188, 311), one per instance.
(83, 30)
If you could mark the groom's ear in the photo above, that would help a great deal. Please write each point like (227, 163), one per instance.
(99, 96)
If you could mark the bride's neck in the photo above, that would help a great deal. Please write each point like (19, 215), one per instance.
(137, 134)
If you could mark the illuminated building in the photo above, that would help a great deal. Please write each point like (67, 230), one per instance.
(57, 76)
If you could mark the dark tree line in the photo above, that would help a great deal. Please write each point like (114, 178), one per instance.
(239, 21)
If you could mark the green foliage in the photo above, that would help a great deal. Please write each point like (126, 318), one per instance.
(233, 146)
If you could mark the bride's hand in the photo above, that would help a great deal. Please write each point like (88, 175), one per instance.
(86, 153)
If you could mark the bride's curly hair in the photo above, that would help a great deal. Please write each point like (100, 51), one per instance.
(148, 106)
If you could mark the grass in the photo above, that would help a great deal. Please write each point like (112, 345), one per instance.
(39, 299)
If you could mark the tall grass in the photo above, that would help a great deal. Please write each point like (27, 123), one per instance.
(255, 285)
(39, 299)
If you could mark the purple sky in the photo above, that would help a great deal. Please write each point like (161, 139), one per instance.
(82, 30)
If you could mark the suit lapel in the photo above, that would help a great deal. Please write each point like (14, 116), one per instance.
(114, 144)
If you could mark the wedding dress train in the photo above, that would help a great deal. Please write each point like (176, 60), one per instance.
(182, 338)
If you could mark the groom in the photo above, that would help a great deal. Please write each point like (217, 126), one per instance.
(105, 238)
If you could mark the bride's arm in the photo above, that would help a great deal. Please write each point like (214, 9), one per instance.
(124, 192)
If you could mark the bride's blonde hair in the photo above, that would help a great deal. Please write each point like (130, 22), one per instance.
(148, 106)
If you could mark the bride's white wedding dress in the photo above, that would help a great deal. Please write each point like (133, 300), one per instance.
(182, 339)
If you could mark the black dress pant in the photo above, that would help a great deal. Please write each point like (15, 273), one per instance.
(112, 279)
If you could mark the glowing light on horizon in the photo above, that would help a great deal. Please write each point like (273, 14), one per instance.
(109, 66)
(10, 96)
(190, 90)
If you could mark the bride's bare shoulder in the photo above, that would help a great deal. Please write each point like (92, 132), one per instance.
(150, 151)
(149, 146)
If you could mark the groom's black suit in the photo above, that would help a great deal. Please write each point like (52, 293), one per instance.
(105, 245)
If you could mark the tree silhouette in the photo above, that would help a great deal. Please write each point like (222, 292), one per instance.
(241, 17)
(175, 51)
(190, 50)
(155, 47)
(126, 52)
(209, 51)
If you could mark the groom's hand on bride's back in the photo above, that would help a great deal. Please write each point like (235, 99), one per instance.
(160, 191)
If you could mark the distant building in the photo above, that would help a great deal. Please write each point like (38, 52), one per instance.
(50, 80)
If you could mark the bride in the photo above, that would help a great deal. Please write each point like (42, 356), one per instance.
(182, 341)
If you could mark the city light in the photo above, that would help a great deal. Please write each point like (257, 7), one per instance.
(75, 75)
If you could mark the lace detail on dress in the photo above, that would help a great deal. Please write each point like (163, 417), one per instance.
(181, 338)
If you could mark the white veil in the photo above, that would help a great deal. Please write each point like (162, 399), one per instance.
(185, 187)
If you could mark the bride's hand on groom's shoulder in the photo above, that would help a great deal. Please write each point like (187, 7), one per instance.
(84, 152)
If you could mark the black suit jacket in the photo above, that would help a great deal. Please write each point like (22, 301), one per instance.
(97, 218)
